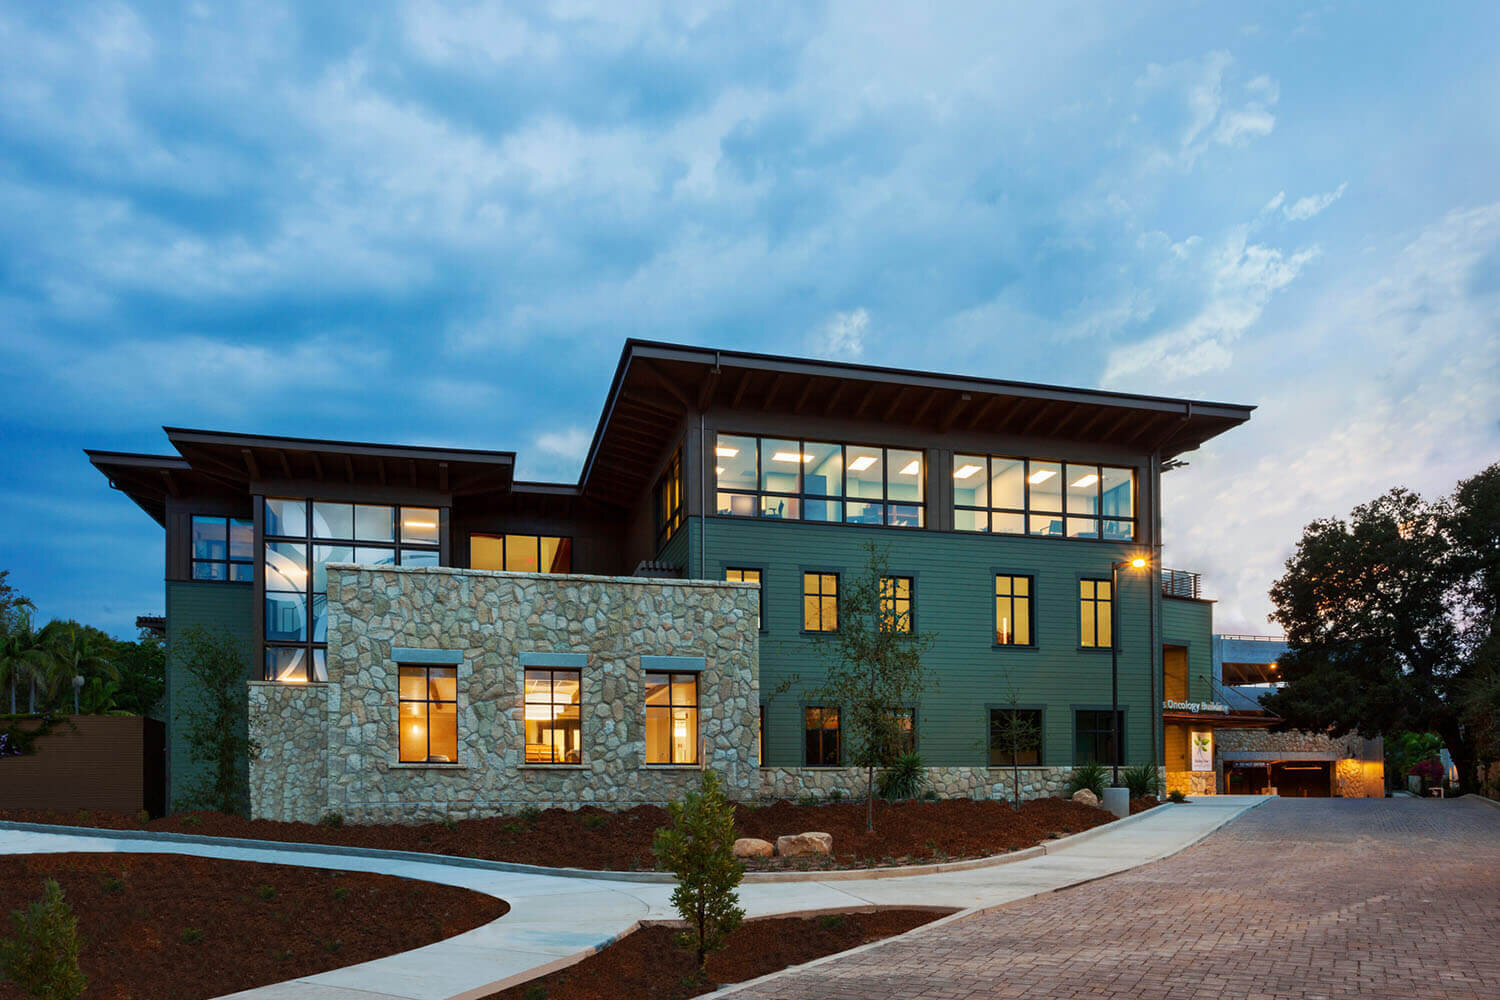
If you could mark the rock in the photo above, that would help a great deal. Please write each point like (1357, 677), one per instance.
(1087, 797)
(751, 847)
(804, 845)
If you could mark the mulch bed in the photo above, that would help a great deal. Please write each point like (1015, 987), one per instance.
(173, 927)
(593, 838)
(648, 964)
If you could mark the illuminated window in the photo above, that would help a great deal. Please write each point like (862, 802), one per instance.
(552, 714)
(896, 604)
(1093, 738)
(1012, 610)
(798, 480)
(1028, 736)
(429, 714)
(1095, 628)
(1028, 496)
(905, 721)
(669, 500)
(223, 549)
(671, 718)
(521, 553)
(751, 576)
(820, 729)
(820, 602)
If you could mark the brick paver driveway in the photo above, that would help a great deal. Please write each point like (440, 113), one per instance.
(1299, 898)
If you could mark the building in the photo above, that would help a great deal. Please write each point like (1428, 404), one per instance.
(433, 637)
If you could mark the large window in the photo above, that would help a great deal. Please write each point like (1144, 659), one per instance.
(820, 602)
(1012, 610)
(751, 576)
(671, 718)
(1095, 626)
(1028, 496)
(819, 481)
(223, 549)
(669, 500)
(896, 604)
(429, 714)
(301, 538)
(521, 553)
(1027, 736)
(1093, 739)
(552, 712)
(820, 729)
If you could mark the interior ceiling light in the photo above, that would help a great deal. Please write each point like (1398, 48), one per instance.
(965, 471)
(1040, 476)
(419, 524)
(861, 463)
(910, 468)
(718, 470)
(724, 451)
(791, 456)
(1088, 480)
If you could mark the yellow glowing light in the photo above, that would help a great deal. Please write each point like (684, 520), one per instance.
(1138, 562)
(1040, 476)
(1088, 480)
(419, 524)
(724, 451)
(910, 469)
(861, 463)
(965, 471)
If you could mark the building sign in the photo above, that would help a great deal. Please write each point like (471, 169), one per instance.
(1195, 706)
(1201, 745)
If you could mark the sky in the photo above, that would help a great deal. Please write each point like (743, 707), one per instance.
(436, 223)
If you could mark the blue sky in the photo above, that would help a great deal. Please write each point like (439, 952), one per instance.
(428, 223)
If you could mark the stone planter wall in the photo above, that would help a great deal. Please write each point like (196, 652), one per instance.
(289, 728)
(948, 782)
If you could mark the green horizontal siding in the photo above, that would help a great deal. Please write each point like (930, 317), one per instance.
(1191, 624)
(212, 605)
(954, 576)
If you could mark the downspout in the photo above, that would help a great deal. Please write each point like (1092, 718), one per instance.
(1158, 744)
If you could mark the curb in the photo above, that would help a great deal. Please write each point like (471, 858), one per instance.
(1482, 798)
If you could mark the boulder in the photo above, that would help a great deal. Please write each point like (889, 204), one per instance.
(1087, 797)
(805, 845)
(751, 847)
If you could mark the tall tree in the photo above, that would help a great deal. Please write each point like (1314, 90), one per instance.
(23, 657)
(873, 668)
(74, 650)
(1014, 735)
(1474, 524)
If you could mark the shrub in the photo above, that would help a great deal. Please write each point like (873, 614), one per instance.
(904, 778)
(1143, 780)
(42, 957)
(332, 820)
(265, 891)
(142, 817)
(340, 892)
(595, 822)
(536, 991)
(449, 823)
(831, 921)
(1090, 776)
(191, 934)
(1175, 795)
(699, 849)
(530, 814)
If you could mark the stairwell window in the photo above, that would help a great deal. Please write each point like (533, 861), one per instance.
(1096, 627)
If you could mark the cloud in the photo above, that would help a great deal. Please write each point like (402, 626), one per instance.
(555, 455)
(1193, 93)
(1306, 208)
(842, 338)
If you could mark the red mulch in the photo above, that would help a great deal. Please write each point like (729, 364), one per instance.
(648, 965)
(593, 838)
(1143, 803)
(173, 927)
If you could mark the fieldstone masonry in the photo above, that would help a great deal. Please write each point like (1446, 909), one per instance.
(946, 782)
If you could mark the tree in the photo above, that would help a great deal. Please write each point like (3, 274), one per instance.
(699, 849)
(74, 650)
(1388, 615)
(1014, 735)
(23, 656)
(42, 956)
(873, 668)
(142, 667)
(217, 715)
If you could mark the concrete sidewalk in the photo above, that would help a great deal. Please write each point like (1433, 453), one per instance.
(554, 921)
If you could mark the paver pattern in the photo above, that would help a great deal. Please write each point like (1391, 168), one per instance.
(1301, 898)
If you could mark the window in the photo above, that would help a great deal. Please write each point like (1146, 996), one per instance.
(302, 537)
(793, 479)
(1095, 628)
(906, 730)
(1027, 734)
(821, 736)
(1028, 496)
(896, 604)
(669, 500)
(1093, 739)
(552, 711)
(429, 714)
(820, 602)
(751, 576)
(521, 553)
(1012, 610)
(671, 718)
(223, 549)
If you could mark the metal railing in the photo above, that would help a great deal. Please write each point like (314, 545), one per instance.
(1179, 583)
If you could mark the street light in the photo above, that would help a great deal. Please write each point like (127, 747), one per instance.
(1135, 562)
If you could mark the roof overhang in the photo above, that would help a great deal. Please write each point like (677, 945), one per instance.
(150, 479)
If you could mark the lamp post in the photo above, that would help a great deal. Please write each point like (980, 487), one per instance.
(1137, 562)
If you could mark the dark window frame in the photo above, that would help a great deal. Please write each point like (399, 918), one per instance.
(822, 730)
(760, 578)
(672, 680)
(553, 704)
(1030, 598)
(503, 535)
(1097, 733)
(229, 561)
(910, 600)
(1026, 512)
(670, 492)
(1090, 606)
(1039, 711)
(837, 606)
(801, 496)
(429, 701)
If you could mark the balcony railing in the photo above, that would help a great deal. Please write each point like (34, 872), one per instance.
(1179, 583)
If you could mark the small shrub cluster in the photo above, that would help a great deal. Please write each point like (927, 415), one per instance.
(1091, 776)
(904, 778)
(41, 956)
(1143, 780)
(1175, 795)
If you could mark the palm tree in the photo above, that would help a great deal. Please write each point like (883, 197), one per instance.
(72, 651)
(23, 656)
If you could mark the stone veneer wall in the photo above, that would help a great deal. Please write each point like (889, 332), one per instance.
(1359, 766)
(947, 782)
(1192, 782)
(490, 619)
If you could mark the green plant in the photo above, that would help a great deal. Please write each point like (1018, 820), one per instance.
(831, 921)
(332, 820)
(111, 884)
(333, 945)
(191, 820)
(1012, 734)
(930, 795)
(1175, 795)
(340, 892)
(530, 814)
(1142, 780)
(449, 823)
(217, 715)
(281, 954)
(191, 934)
(1091, 776)
(142, 817)
(904, 778)
(698, 847)
(265, 891)
(84, 817)
(595, 822)
(536, 991)
(836, 795)
(41, 957)
(807, 799)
